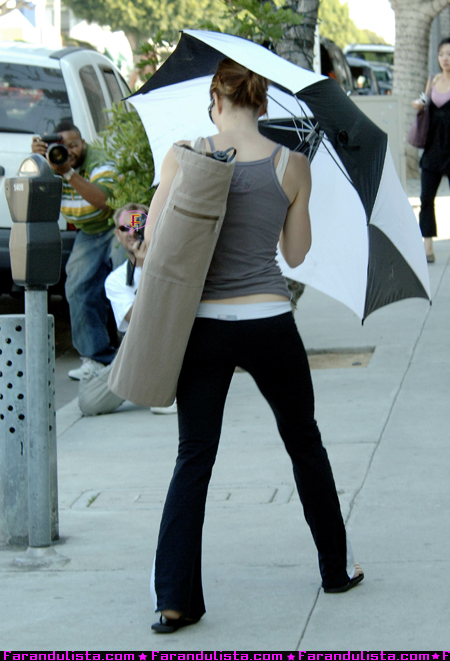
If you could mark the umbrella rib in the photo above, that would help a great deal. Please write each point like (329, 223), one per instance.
(291, 113)
(284, 107)
(307, 138)
(324, 144)
(300, 131)
(339, 166)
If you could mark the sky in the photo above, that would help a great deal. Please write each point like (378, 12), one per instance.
(375, 15)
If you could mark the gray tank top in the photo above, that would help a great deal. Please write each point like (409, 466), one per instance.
(244, 259)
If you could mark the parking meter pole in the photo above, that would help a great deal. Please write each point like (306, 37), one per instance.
(36, 328)
(34, 200)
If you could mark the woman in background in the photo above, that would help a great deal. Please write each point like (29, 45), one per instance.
(435, 161)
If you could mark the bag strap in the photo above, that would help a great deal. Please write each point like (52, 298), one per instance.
(226, 156)
(432, 80)
(199, 145)
(282, 164)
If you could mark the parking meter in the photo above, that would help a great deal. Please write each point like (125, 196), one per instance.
(34, 200)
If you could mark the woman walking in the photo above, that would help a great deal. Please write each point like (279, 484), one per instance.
(435, 161)
(245, 319)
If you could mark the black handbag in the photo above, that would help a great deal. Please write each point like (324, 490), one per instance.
(418, 132)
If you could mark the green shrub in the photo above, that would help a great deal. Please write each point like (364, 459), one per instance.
(126, 144)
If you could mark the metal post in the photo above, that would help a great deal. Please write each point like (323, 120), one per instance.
(40, 552)
(34, 199)
(14, 434)
(36, 329)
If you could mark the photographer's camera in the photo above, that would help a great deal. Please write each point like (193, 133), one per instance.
(57, 153)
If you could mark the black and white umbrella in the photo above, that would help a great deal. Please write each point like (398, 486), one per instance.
(367, 248)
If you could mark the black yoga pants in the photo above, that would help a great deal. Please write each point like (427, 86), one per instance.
(271, 350)
(427, 218)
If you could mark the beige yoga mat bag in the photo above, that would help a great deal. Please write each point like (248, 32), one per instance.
(149, 360)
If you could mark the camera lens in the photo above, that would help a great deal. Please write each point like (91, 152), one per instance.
(57, 154)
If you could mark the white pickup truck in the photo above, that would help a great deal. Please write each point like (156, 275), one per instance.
(40, 87)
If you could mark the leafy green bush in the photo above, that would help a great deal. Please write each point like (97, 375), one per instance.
(126, 144)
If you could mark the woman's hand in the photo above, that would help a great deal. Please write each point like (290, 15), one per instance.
(418, 104)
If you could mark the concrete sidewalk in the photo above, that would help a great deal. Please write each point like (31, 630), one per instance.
(386, 430)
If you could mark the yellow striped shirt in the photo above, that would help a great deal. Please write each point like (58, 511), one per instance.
(75, 209)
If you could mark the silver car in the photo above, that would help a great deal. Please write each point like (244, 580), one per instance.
(40, 87)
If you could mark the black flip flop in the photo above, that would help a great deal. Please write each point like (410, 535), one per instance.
(166, 625)
(348, 586)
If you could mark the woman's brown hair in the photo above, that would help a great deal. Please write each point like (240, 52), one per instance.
(241, 86)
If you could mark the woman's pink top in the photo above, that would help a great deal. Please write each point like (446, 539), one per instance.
(439, 98)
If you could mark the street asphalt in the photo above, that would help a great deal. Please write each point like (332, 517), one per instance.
(383, 406)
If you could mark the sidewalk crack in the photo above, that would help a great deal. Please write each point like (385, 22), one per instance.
(394, 401)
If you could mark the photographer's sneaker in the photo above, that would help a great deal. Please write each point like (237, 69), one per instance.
(88, 368)
(164, 410)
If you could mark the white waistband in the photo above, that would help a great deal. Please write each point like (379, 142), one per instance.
(241, 312)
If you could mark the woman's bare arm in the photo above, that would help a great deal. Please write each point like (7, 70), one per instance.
(295, 238)
(168, 171)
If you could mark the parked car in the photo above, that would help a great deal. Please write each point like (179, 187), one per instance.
(385, 78)
(381, 53)
(364, 78)
(334, 65)
(40, 87)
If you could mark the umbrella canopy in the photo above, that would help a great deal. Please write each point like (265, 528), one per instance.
(367, 248)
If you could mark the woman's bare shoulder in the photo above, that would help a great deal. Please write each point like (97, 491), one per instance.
(297, 177)
(431, 82)
(298, 161)
(170, 158)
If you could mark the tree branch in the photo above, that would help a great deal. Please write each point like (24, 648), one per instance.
(20, 4)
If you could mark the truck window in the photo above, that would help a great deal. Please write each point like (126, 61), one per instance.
(94, 95)
(32, 99)
(112, 84)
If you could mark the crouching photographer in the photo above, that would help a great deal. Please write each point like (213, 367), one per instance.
(94, 397)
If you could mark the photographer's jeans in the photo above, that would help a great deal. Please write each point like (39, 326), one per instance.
(87, 268)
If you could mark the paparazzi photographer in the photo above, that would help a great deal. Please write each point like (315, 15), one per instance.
(94, 397)
(88, 179)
